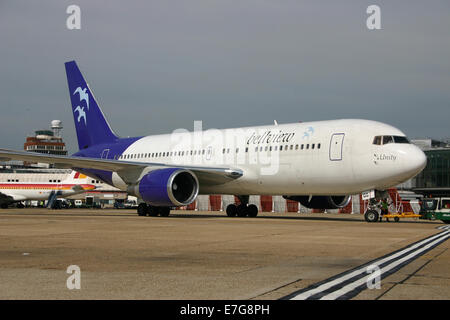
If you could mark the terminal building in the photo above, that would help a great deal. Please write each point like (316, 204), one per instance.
(434, 180)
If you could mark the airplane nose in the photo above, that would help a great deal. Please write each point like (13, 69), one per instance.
(416, 161)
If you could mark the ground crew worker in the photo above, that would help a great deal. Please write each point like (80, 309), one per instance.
(384, 209)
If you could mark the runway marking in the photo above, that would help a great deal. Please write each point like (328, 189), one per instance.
(350, 283)
(444, 227)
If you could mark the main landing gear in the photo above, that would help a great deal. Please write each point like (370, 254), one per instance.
(152, 211)
(242, 210)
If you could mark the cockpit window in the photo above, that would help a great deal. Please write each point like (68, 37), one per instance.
(380, 140)
(387, 139)
(377, 140)
(399, 139)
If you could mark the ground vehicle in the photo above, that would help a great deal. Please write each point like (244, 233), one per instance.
(130, 204)
(436, 209)
(119, 205)
(60, 204)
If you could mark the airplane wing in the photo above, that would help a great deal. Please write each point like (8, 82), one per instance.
(206, 175)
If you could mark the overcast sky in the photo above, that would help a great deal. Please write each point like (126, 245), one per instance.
(158, 65)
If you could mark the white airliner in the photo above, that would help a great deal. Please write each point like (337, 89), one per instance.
(16, 191)
(320, 164)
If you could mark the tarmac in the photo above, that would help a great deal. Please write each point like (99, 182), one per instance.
(206, 255)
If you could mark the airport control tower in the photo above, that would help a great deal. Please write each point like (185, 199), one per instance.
(47, 141)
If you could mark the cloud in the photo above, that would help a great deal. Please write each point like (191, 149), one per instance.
(159, 65)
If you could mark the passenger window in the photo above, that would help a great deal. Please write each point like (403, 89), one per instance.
(387, 139)
(312, 146)
(302, 146)
(296, 147)
(318, 146)
(377, 140)
(281, 148)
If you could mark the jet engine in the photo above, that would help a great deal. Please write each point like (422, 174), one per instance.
(169, 187)
(321, 202)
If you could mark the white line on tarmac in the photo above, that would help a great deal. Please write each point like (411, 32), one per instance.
(327, 285)
(336, 294)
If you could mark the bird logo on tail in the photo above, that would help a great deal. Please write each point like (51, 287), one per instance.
(83, 95)
(81, 114)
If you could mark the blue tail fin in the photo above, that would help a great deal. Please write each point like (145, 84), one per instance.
(90, 123)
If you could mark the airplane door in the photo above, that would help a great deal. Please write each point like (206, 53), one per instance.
(336, 146)
(105, 154)
(209, 153)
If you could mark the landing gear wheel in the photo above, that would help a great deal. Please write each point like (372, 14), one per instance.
(4, 206)
(396, 219)
(446, 221)
(242, 210)
(252, 210)
(231, 210)
(142, 209)
(152, 211)
(371, 216)
(164, 211)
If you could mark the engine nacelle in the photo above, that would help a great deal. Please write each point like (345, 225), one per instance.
(167, 187)
(322, 202)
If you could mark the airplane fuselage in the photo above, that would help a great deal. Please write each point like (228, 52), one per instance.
(334, 157)
(37, 191)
